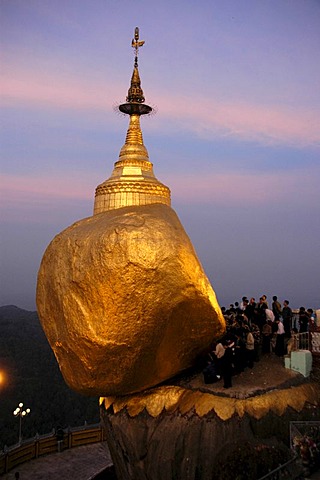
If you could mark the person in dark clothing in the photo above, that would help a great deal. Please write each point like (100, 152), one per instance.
(60, 437)
(260, 313)
(287, 318)
(266, 337)
(226, 363)
(210, 371)
(237, 307)
(312, 319)
(276, 307)
(279, 347)
(303, 320)
(240, 356)
(250, 310)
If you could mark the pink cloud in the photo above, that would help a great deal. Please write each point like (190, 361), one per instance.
(269, 124)
(72, 186)
(45, 199)
(39, 196)
(248, 188)
(206, 118)
(60, 92)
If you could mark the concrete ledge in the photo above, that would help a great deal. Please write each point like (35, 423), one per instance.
(301, 361)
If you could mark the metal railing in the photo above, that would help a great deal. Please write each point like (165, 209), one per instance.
(295, 468)
(305, 442)
(288, 471)
(303, 341)
(314, 341)
(49, 443)
(308, 341)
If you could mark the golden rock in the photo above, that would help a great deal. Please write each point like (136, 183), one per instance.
(121, 295)
(124, 301)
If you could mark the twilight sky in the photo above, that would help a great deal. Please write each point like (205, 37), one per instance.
(236, 137)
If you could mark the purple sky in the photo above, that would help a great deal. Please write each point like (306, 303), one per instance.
(236, 85)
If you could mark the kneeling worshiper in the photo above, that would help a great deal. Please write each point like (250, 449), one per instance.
(210, 372)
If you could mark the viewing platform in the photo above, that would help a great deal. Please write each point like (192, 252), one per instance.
(85, 455)
(80, 463)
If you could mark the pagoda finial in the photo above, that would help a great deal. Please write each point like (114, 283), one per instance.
(135, 98)
(136, 43)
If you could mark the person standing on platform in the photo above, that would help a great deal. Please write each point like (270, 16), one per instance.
(269, 315)
(266, 337)
(219, 352)
(226, 363)
(249, 347)
(303, 320)
(264, 299)
(312, 319)
(240, 352)
(276, 307)
(279, 347)
(260, 312)
(287, 318)
(244, 302)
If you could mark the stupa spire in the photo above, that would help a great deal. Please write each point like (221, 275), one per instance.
(132, 181)
(135, 98)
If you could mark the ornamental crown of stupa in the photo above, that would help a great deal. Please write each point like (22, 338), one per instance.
(132, 181)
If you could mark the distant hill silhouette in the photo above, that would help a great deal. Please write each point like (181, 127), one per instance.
(32, 376)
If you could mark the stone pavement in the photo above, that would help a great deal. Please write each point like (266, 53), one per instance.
(79, 463)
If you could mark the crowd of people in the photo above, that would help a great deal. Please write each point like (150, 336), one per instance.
(254, 329)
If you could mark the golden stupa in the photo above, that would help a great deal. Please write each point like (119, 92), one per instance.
(121, 295)
(132, 181)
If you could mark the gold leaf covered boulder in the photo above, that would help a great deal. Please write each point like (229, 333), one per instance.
(124, 301)
(121, 295)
